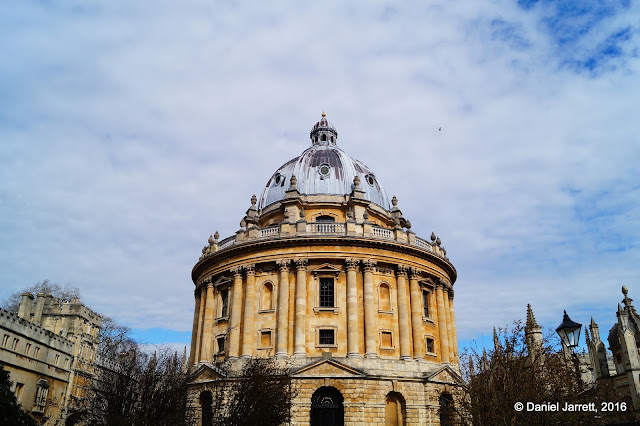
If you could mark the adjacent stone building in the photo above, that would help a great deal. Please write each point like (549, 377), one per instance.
(326, 275)
(49, 349)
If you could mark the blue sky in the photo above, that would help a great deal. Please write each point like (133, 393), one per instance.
(131, 132)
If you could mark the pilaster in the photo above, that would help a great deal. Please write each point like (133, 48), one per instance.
(249, 312)
(370, 329)
(194, 329)
(442, 323)
(416, 315)
(301, 309)
(236, 314)
(207, 329)
(353, 350)
(283, 310)
(403, 313)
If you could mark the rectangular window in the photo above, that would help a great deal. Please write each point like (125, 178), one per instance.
(220, 341)
(387, 339)
(5, 340)
(224, 294)
(425, 303)
(430, 346)
(327, 337)
(14, 346)
(265, 339)
(27, 349)
(326, 293)
(18, 392)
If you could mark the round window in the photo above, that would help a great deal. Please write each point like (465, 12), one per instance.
(370, 179)
(277, 179)
(324, 170)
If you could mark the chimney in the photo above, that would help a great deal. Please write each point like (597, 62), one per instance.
(26, 304)
(37, 314)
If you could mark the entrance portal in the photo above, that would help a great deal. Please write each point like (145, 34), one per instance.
(326, 407)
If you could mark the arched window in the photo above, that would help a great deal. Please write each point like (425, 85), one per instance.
(326, 407)
(324, 137)
(385, 297)
(447, 409)
(206, 405)
(267, 297)
(394, 410)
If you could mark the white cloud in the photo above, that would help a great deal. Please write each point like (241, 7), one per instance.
(132, 132)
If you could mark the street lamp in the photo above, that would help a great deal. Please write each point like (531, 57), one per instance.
(569, 332)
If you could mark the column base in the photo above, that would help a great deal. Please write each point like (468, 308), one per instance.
(246, 357)
(282, 355)
(406, 358)
(371, 355)
(232, 357)
(354, 355)
(299, 355)
(419, 359)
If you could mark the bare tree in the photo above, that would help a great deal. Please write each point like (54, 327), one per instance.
(66, 292)
(262, 393)
(545, 375)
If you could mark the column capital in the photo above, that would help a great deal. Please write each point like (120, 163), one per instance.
(451, 294)
(443, 283)
(352, 264)
(401, 270)
(249, 269)
(301, 264)
(236, 272)
(414, 272)
(369, 265)
(283, 265)
(197, 293)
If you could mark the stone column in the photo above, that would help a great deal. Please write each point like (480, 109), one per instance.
(442, 323)
(416, 316)
(403, 314)
(445, 297)
(203, 298)
(454, 342)
(194, 329)
(301, 309)
(283, 310)
(206, 351)
(353, 349)
(370, 328)
(249, 312)
(236, 314)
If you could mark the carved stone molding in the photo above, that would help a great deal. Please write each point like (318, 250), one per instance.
(414, 272)
(249, 269)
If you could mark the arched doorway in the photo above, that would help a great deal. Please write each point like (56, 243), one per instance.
(394, 410)
(206, 405)
(447, 409)
(73, 419)
(326, 407)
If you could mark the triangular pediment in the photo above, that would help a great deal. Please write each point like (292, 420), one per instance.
(222, 280)
(445, 374)
(206, 372)
(327, 368)
(326, 268)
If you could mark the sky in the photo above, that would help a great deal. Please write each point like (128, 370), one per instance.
(131, 131)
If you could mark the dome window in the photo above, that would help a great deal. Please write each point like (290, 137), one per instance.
(278, 179)
(324, 170)
(370, 178)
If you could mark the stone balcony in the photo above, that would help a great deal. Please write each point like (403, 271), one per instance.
(304, 229)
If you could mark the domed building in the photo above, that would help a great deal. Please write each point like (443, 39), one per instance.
(326, 274)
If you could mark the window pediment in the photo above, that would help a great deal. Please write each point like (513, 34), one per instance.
(326, 269)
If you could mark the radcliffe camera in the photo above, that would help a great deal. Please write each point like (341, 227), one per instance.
(324, 214)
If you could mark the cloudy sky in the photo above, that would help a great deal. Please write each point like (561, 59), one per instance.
(131, 131)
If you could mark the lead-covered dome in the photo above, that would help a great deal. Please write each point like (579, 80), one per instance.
(323, 168)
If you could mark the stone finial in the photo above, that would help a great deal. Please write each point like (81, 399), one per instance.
(302, 213)
(243, 223)
(365, 215)
(216, 236)
(438, 242)
(210, 240)
(254, 200)
(204, 249)
(531, 319)
(356, 182)
(394, 201)
(625, 290)
(293, 181)
(350, 214)
(407, 224)
(433, 236)
(444, 251)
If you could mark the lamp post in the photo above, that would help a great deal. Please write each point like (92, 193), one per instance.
(569, 332)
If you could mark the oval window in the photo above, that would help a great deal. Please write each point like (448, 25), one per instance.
(324, 170)
(370, 179)
(277, 179)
